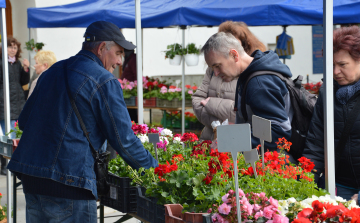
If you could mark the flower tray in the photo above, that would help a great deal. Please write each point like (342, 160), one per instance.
(147, 208)
(173, 214)
(121, 196)
(196, 126)
(163, 103)
(150, 102)
(130, 101)
(6, 146)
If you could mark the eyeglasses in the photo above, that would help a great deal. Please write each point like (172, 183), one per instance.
(13, 47)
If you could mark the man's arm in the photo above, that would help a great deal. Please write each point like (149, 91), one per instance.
(114, 121)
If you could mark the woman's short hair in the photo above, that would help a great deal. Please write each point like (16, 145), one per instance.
(241, 31)
(45, 56)
(12, 40)
(347, 38)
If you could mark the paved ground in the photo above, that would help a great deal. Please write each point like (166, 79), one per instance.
(111, 215)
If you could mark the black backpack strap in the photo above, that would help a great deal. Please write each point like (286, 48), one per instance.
(95, 154)
(345, 134)
(243, 92)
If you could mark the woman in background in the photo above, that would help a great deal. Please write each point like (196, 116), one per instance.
(19, 77)
(215, 98)
(43, 60)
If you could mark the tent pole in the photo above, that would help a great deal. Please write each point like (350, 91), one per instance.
(6, 103)
(183, 84)
(329, 99)
(139, 70)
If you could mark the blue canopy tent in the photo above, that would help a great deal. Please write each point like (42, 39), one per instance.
(165, 13)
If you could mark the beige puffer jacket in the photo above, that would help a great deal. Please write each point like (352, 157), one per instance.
(219, 107)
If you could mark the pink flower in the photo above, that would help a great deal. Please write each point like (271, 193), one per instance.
(241, 193)
(171, 90)
(259, 214)
(224, 209)
(274, 202)
(121, 81)
(163, 90)
(225, 198)
(159, 129)
(145, 126)
(270, 221)
(256, 207)
(178, 89)
(262, 194)
(280, 219)
(162, 145)
(129, 87)
(217, 218)
(132, 84)
(190, 92)
(268, 212)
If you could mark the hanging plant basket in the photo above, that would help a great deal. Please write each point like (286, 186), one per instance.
(192, 59)
(176, 61)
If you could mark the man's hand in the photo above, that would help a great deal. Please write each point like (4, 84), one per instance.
(355, 198)
(203, 102)
(26, 64)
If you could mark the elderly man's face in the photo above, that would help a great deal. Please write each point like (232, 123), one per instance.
(223, 67)
(112, 57)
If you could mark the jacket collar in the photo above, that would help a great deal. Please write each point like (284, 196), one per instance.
(91, 56)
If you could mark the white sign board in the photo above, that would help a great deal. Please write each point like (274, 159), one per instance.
(234, 139)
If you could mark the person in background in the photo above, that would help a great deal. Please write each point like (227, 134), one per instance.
(18, 87)
(54, 159)
(266, 95)
(43, 60)
(129, 73)
(214, 99)
(346, 73)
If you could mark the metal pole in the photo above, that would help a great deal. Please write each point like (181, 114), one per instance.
(329, 98)
(139, 62)
(6, 102)
(183, 85)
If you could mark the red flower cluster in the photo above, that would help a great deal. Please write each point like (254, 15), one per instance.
(164, 169)
(191, 87)
(313, 88)
(201, 148)
(189, 137)
(334, 213)
(283, 144)
(220, 162)
(277, 165)
(152, 130)
(139, 128)
(177, 158)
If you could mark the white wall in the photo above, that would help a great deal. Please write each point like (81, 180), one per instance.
(66, 42)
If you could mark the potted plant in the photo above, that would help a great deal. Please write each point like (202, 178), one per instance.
(192, 55)
(33, 47)
(174, 52)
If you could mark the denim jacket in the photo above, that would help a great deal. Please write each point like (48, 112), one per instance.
(53, 145)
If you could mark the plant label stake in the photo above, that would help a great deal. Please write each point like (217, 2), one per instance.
(261, 129)
(234, 139)
(250, 157)
(154, 138)
(177, 83)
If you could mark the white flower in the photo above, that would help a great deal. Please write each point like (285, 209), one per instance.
(177, 140)
(291, 200)
(163, 138)
(167, 132)
(143, 138)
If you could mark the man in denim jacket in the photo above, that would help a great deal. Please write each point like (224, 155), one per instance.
(53, 159)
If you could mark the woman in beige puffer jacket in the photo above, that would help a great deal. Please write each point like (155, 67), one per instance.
(214, 99)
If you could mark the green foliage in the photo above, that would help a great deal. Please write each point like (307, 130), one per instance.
(31, 45)
(18, 131)
(174, 49)
(192, 49)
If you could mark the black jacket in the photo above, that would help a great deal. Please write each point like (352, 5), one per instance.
(348, 172)
(17, 78)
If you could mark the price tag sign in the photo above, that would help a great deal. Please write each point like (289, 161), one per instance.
(251, 157)
(113, 193)
(261, 129)
(154, 138)
(234, 139)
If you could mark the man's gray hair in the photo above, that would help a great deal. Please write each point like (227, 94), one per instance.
(222, 43)
(93, 45)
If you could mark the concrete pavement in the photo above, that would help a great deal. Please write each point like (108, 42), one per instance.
(111, 215)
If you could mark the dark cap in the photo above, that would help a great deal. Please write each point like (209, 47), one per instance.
(106, 31)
